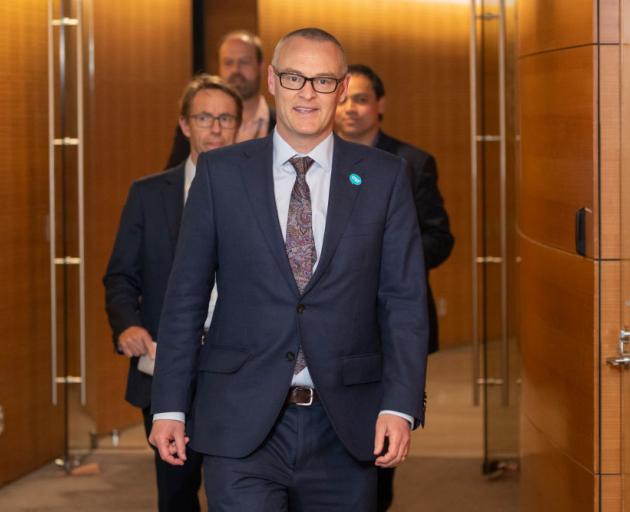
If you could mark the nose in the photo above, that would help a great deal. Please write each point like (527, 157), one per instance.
(308, 91)
(215, 127)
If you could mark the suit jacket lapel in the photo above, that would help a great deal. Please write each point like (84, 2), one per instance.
(341, 202)
(173, 195)
(257, 173)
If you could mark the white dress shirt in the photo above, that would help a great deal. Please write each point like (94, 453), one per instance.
(318, 180)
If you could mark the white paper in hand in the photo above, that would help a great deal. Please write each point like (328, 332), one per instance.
(146, 364)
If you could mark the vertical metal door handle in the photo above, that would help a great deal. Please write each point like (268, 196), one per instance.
(51, 204)
(473, 202)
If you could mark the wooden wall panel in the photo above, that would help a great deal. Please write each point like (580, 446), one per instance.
(221, 17)
(557, 138)
(420, 49)
(550, 25)
(611, 493)
(551, 480)
(609, 153)
(611, 378)
(556, 335)
(33, 428)
(624, 278)
(142, 63)
(609, 21)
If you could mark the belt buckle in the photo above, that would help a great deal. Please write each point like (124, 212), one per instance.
(310, 399)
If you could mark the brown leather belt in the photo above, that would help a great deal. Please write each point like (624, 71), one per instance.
(301, 396)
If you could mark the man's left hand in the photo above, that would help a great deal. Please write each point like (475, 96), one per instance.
(398, 433)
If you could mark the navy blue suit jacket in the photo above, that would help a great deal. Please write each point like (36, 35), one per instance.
(437, 239)
(362, 319)
(138, 269)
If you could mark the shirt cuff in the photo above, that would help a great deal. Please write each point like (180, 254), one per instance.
(178, 416)
(410, 419)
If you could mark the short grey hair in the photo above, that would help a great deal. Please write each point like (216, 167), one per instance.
(312, 34)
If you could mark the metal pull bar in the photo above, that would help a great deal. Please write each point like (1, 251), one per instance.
(473, 202)
(51, 205)
(52, 144)
(505, 353)
(81, 200)
(502, 140)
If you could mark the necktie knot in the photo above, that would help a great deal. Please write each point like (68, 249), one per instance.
(301, 164)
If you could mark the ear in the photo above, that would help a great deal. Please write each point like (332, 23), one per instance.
(271, 83)
(343, 89)
(381, 105)
(183, 124)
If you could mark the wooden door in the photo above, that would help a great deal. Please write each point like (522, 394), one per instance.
(621, 293)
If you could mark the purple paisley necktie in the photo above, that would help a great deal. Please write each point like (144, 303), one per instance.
(300, 243)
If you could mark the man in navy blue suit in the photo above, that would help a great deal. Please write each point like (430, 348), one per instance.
(358, 119)
(141, 262)
(312, 372)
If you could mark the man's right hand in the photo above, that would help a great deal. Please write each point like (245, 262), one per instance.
(169, 439)
(136, 341)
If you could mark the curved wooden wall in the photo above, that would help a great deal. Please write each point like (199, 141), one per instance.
(569, 121)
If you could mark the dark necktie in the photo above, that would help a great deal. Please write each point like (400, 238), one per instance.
(300, 243)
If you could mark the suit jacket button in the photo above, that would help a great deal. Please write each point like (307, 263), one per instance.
(300, 308)
(290, 356)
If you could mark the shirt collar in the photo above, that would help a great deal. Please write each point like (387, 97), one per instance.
(322, 153)
(189, 173)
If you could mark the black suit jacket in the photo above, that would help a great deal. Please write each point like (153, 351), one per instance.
(140, 264)
(437, 240)
(181, 145)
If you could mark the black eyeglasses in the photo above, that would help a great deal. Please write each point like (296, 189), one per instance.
(206, 120)
(295, 82)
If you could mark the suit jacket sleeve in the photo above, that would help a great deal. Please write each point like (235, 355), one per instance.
(186, 301)
(123, 279)
(402, 305)
(437, 239)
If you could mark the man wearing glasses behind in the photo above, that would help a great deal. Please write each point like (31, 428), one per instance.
(141, 262)
(312, 372)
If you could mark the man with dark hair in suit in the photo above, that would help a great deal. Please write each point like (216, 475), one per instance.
(241, 64)
(358, 119)
(141, 262)
(312, 371)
